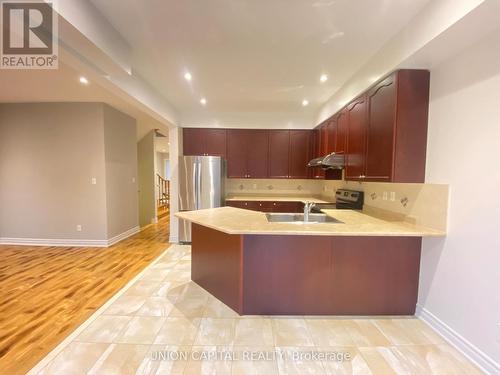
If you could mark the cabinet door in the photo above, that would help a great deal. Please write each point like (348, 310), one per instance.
(288, 207)
(215, 142)
(237, 153)
(332, 135)
(342, 123)
(253, 205)
(237, 204)
(193, 142)
(300, 153)
(317, 172)
(279, 153)
(324, 139)
(380, 130)
(357, 115)
(257, 153)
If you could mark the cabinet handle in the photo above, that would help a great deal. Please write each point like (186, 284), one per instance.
(274, 204)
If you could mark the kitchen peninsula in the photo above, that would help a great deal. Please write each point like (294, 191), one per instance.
(359, 265)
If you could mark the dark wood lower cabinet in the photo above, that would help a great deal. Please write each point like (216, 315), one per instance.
(268, 206)
(308, 275)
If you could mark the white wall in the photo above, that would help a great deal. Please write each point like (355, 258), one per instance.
(460, 275)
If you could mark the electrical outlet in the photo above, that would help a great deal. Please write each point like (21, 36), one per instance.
(78, 228)
(93, 181)
(384, 195)
(133, 180)
(393, 196)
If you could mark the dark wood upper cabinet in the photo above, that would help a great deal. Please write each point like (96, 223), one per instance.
(332, 135)
(247, 153)
(383, 134)
(357, 113)
(315, 172)
(300, 153)
(390, 145)
(380, 130)
(279, 153)
(193, 141)
(342, 125)
(204, 142)
(237, 153)
(257, 153)
(215, 142)
(324, 139)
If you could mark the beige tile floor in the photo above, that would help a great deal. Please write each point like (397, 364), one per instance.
(164, 312)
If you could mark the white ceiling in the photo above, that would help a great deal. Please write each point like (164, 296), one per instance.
(63, 85)
(251, 59)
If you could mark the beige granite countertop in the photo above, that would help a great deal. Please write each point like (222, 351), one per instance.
(275, 198)
(354, 223)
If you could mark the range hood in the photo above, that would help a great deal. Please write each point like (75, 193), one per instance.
(330, 161)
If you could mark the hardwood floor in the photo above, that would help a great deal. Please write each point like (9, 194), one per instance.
(46, 292)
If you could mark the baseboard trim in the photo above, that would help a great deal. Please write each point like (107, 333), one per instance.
(52, 242)
(473, 353)
(69, 242)
(123, 235)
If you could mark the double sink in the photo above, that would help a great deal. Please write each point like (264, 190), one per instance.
(300, 219)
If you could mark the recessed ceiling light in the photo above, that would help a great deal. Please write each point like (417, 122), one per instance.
(203, 101)
(84, 81)
(323, 78)
(188, 76)
(305, 103)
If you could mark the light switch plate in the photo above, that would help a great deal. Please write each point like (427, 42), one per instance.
(393, 196)
(498, 332)
(78, 228)
(93, 181)
(384, 195)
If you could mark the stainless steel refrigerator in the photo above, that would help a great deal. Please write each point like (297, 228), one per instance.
(201, 185)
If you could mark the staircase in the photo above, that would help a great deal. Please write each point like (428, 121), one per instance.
(163, 201)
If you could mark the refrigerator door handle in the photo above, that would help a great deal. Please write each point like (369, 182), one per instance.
(197, 183)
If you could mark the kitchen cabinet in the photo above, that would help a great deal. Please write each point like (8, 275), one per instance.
(268, 206)
(342, 124)
(247, 153)
(357, 114)
(300, 153)
(331, 135)
(323, 136)
(289, 153)
(380, 130)
(204, 142)
(257, 153)
(316, 172)
(279, 153)
(387, 130)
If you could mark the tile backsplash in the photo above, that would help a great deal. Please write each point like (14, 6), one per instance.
(422, 204)
(273, 187)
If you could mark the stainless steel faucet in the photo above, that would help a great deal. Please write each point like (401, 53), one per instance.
(307, 210)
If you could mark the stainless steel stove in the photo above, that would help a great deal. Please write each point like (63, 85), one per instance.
(344, 200)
